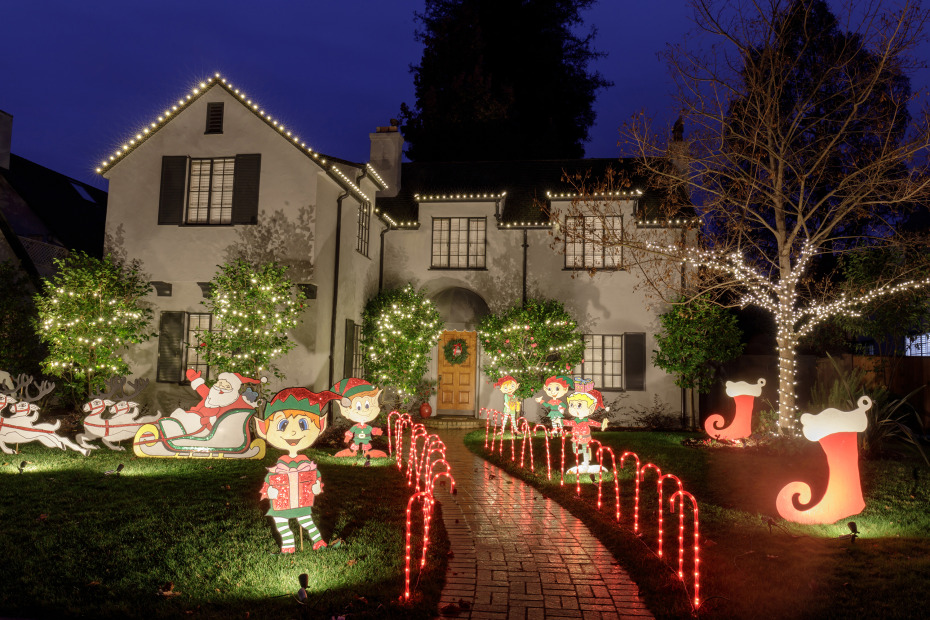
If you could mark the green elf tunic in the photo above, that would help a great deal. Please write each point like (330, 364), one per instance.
(554, 408)
(294, 479)
(361, 434)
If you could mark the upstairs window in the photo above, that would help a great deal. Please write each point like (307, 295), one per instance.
(209, 198)
(364, 225)
(588, 242)
(214, 118)
(459, 242)
(217, 191)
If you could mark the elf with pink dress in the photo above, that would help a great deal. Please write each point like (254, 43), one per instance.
(582, 403)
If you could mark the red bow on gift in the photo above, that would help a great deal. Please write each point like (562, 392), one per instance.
(281, 468)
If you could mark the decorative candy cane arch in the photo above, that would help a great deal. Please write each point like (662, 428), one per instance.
(420, 463)
(680, 496)
(676, 499)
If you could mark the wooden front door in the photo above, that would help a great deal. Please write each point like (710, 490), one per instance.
(457, 381)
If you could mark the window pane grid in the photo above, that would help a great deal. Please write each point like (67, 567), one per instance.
(197, 322)
(364, 225)
(210, 191)
(589, 242)
(603, 357)
(357, 369)
(459, 242)
(917, 346)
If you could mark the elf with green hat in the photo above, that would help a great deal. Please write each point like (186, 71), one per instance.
(359, 403)
(293, 420)
(556, 387)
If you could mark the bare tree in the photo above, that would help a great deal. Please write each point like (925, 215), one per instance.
(803, 148)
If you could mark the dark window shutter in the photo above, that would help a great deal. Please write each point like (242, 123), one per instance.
(634, 362)
(245, 189)
(170, 346)
(173, 184)
(214, 117)
(350, 349)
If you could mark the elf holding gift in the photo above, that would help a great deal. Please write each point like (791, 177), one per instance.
(359, 404)
(556, 387)
(293, 421)
(583, 402)
(508, 385)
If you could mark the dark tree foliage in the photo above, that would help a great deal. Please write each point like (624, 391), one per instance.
(501, 79)
(811, 100)
(22, 351)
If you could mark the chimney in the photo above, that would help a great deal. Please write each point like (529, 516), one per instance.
(6, 138)
(387, 146)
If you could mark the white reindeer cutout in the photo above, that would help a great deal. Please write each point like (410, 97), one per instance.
(23, 425)
(112, 422)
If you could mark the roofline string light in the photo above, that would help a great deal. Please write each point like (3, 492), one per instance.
(256, 109)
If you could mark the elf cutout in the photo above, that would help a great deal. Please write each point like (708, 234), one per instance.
(508, 386)
(359, 404)
(293, 422)
(555, 388)
(582, 403)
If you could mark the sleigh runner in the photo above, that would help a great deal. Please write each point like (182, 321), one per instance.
(184, 436)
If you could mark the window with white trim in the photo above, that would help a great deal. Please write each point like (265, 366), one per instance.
(210, 191)
(917, 346)
(197, 323)
(459, 242)
(364, 227)
(590, 242)
(603, 361)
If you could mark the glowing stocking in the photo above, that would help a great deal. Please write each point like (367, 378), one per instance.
(836, 432)
(744, 394)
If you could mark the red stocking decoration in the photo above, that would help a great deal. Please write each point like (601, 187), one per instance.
(744, 394)
(836, 431)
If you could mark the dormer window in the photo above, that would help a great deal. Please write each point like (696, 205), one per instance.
(214, 117)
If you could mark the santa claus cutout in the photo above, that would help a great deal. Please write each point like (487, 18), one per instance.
(221, 397)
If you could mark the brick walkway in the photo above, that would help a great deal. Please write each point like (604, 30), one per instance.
(519, 555)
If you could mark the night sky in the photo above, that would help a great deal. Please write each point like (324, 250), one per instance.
(79, 78)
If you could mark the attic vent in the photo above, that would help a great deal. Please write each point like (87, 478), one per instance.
(214, 117)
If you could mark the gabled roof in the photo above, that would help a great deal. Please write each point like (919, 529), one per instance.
(74, 212)
(525, 188)
(326, 162)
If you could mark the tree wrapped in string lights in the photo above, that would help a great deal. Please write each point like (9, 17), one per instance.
(89, 311)
(254, 307)
(400, 328)
(801, 147)
(530, 343)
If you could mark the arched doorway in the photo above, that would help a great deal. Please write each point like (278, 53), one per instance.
(457, 372)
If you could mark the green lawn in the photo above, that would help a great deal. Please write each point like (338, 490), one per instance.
(751, 568)
(79, 543)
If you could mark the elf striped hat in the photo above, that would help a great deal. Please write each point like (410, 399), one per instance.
(351, 387)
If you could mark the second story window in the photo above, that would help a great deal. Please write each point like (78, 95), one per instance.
(205, 191)
(590, 242)
(364, 225)
(210, 196)
(459, 242)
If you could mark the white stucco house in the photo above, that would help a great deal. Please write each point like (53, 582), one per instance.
(216, 171)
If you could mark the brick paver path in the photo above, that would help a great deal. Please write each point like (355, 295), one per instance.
(519, 555)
